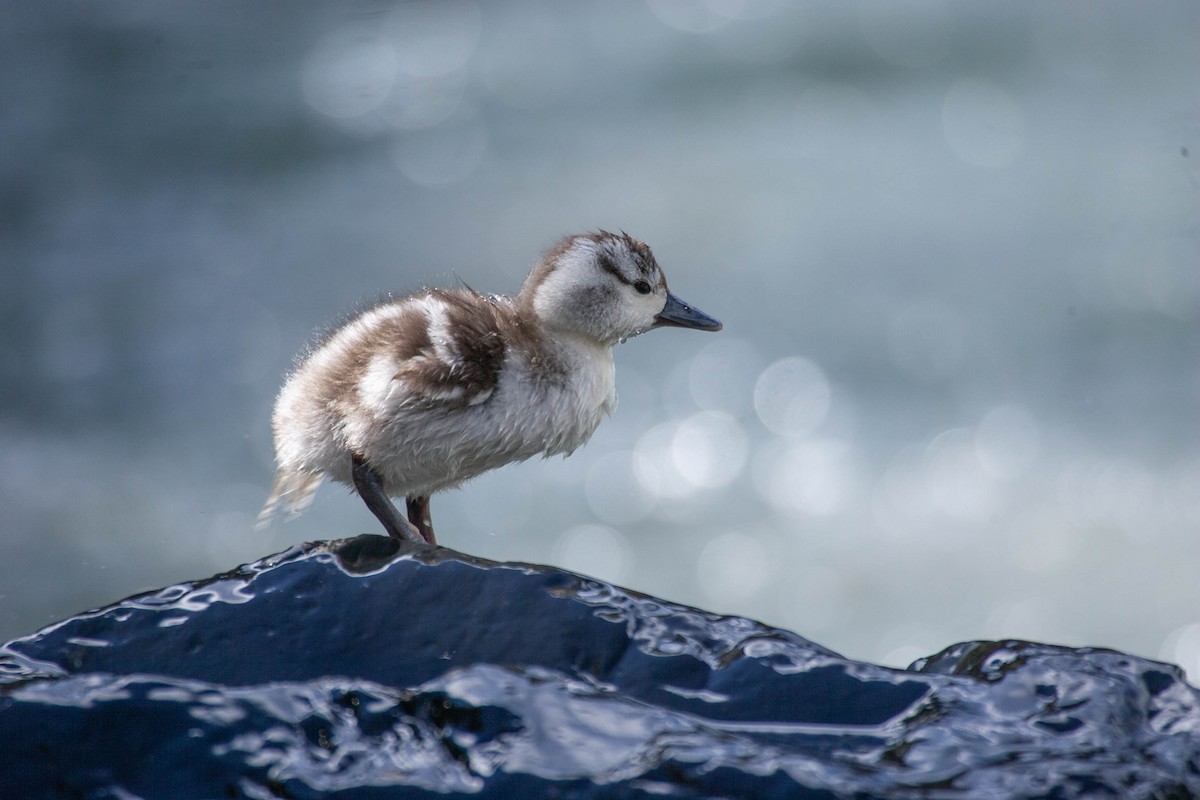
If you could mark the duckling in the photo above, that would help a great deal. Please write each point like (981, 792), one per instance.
(421, 393)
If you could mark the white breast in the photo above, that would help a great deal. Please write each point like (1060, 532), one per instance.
(559, 416)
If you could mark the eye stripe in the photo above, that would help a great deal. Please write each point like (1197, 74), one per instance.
(608, 265)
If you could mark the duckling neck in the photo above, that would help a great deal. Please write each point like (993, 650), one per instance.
(585, 358)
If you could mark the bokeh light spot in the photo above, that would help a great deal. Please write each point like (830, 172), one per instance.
(705, 451)
(349, 73)
(792, 396)
(655, 466)
(1007, 441)
(419, 102)
(956, 481)
(709, 449)
(721, 376)
(809, 477)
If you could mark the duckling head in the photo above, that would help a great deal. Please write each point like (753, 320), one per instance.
(607, 287)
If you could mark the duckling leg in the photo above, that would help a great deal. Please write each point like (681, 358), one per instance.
(370, 489)
(418, 515)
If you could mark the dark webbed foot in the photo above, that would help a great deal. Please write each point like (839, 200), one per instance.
(370, 489)
(418, 515)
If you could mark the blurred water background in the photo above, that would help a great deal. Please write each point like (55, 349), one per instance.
(955, 247)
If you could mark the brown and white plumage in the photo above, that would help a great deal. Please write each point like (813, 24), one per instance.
(421, 393)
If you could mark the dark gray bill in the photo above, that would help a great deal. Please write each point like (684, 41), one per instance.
(680, 315)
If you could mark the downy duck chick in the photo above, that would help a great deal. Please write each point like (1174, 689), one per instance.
(421, 393)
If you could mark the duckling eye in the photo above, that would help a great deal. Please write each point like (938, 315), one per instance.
(642, 287)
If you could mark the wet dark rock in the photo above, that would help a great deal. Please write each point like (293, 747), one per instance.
(364, 668)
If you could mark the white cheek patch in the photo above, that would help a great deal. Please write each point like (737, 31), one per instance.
(566, 280)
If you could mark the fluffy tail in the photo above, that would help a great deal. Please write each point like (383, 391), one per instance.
(291, 490)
